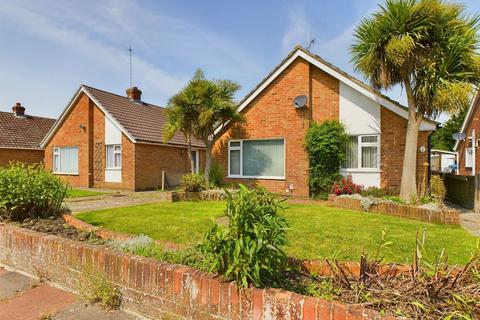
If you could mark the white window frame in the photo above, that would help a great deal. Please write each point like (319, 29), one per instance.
(57, 151)
(197, 160)
(469, 157)
(240, 148)
(361, 144)
(115, 152)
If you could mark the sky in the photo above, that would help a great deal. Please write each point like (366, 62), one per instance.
(50, 48)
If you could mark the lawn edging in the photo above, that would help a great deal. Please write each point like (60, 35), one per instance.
(205, 195)
(451, 217)
(156, 289)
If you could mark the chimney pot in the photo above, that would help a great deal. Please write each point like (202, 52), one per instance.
(18, 110)
(134, 93)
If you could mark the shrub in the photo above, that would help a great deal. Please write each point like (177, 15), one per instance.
(216, 176)
(346, 186)
(374, 192)
(193, 182)
(325, 144)
(29, 192)
(249, 249)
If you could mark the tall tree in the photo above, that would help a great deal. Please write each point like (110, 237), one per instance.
(182, 115)
(442, 138)
(429, 47)
(217, 108)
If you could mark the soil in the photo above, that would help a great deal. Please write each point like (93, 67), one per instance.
(59, 227)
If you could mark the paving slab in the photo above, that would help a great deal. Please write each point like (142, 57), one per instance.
(12, 283)
(471, 222)
(35, 303)
(82, 311)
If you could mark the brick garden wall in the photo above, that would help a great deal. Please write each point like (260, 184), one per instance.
(25, 156)
(160, 290)
(400, 210)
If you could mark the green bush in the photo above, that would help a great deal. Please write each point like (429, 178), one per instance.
(29, 192)
(249, 249)
(193, 182)
(326, 148)
(216, 176)
(374, 192)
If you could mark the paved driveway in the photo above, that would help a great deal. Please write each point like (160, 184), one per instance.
(24, 298)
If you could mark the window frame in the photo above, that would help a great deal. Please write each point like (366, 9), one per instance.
(469, 157)
(57, 152)
(240, 148)
(360, 145)
(115, 152)
(197, 160)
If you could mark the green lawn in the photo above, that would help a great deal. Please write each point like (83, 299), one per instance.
(315, 231)
(77, 193)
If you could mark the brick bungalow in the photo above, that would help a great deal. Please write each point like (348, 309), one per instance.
(269, 148)
(105, 140)
(21, 135)
(467, 149)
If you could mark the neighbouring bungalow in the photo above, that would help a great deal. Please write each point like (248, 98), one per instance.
(269, 148)
(21, 135)
(105, 140)
(467, 148)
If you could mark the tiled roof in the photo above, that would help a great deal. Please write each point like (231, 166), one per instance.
(26, 132)
(144, 122)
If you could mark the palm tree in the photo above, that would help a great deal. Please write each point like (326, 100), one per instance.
(181, 117)
(429, 47)
(217, 108)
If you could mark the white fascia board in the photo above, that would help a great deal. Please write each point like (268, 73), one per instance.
(70, 106)
(467, 117)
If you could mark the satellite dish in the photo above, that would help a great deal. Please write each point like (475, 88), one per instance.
(458, 136)
(300, 101)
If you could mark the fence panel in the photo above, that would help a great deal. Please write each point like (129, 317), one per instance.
(460, 189)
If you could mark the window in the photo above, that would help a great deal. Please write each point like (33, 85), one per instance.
(362, 152)
(468, 157)
(65, 160)
(114, 156)
(195, 161)
(257, 158)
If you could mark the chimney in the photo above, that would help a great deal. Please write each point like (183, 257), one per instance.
(134, 93)
(18, 110)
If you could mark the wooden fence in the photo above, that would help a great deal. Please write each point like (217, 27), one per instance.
(462, 189)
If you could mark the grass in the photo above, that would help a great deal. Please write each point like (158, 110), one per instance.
(77, 193)
(316, 231)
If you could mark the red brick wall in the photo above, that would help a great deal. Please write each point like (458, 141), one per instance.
(392, 145)
(473, 124)
(25, 156)
(272, 115)
(160, 290)
(151, 160)
(325, 96)
(91, 148)
(70, 135)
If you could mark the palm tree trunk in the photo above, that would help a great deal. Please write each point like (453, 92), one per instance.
(208, 159)
(408, 186)
(190, 157)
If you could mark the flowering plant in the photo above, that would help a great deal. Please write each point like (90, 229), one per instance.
(346, 186)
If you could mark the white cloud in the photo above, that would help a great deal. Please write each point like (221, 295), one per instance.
(297, 29)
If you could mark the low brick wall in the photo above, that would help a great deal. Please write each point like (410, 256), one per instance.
(400, 210)
(159, 290)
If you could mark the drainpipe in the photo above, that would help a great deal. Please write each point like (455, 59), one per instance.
(474, 154)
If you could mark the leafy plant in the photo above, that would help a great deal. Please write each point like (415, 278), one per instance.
(346, 186)
(325, 144)
(373, 192)
(395, 199)
(95, 288)
(216, 176)
(193, 182)
(29, 192)
(437, 188)
(249, 250)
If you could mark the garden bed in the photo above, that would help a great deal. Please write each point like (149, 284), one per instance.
(368, 204)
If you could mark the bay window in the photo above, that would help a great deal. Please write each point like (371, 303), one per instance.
(65, 160)
(257, 158)
(114, 156)
(363, 152)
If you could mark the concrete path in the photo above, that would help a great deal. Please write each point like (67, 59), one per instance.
(119, 199)
(24, 298)
(471, 222)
